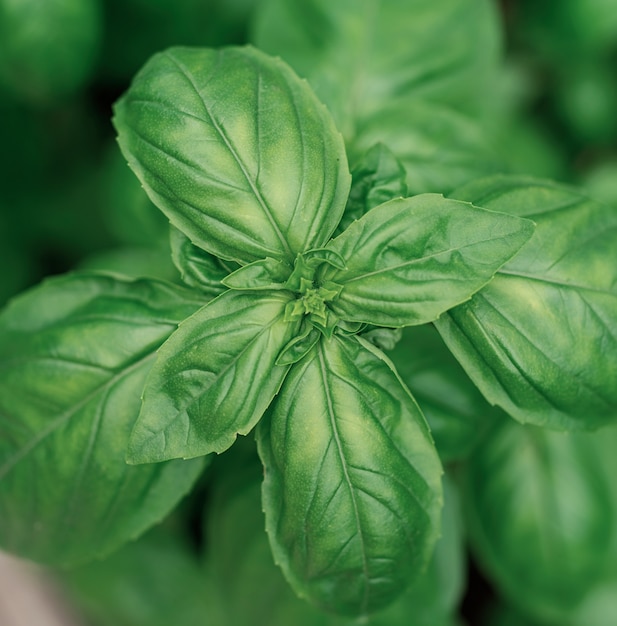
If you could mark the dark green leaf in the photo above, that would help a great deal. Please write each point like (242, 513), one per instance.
(542, 512)
(352, 488)
(48, 50)
(456, 411)
(74, 355)
(377, 177)
(541, 339)
(411, 259)
(213, 378)
(155, 581)
(236, 150)
(197, 267)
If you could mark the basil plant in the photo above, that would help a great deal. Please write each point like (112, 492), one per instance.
(298, 276)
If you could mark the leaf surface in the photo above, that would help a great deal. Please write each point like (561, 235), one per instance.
(411, 259)
(352, 489)
(74, 355)
(236, 150)
(213, 378)
(541, 339)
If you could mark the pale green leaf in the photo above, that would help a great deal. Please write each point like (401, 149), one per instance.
(236, 150)
(352, 489)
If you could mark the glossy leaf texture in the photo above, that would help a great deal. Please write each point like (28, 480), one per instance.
(251, 591)
(352, 490)
(74, 355)
(197, 267)
(214, 378)
(456, 411)
(411, 259)
(236, 150)
(542, 511)
(541, 339)
(362, 54)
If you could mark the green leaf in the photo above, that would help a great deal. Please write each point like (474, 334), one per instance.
(197, 267)
(74, 355)
(456, 411)
(360, 55)
(541, 339)
(352, 490)
(542, 513)
(236, 150)
(48, 51)
(213, 378)
(439, 147)
(155, 581)
(264, 274)
(411, 259)
(377, 177)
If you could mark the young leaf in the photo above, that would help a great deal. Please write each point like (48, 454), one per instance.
(411, 259)
(542, 513)
(197, 267)
(213, 378)
(456, 411)
(377, 177)
(352, 490)
(74, 354)
(236, 150)
(541, 339)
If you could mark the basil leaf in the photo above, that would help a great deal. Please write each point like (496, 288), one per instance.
(264, 274)
(456, 411)
(439, 147)
(542, 512)
(541, 339)
(213, 378)
(361, 55)
(155, 581)
(74, 354)
(51, 56)
(377, 177)
(411, 259)
(432, 600)
(232, 146)
(352, 480)
(197, 267)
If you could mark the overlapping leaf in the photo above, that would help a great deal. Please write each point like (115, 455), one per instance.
(236, 150)
(541, 339)
(542, 512)
(361, 54)
(411, 259)
(352, 486)
(74, 355)
(213, 378)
